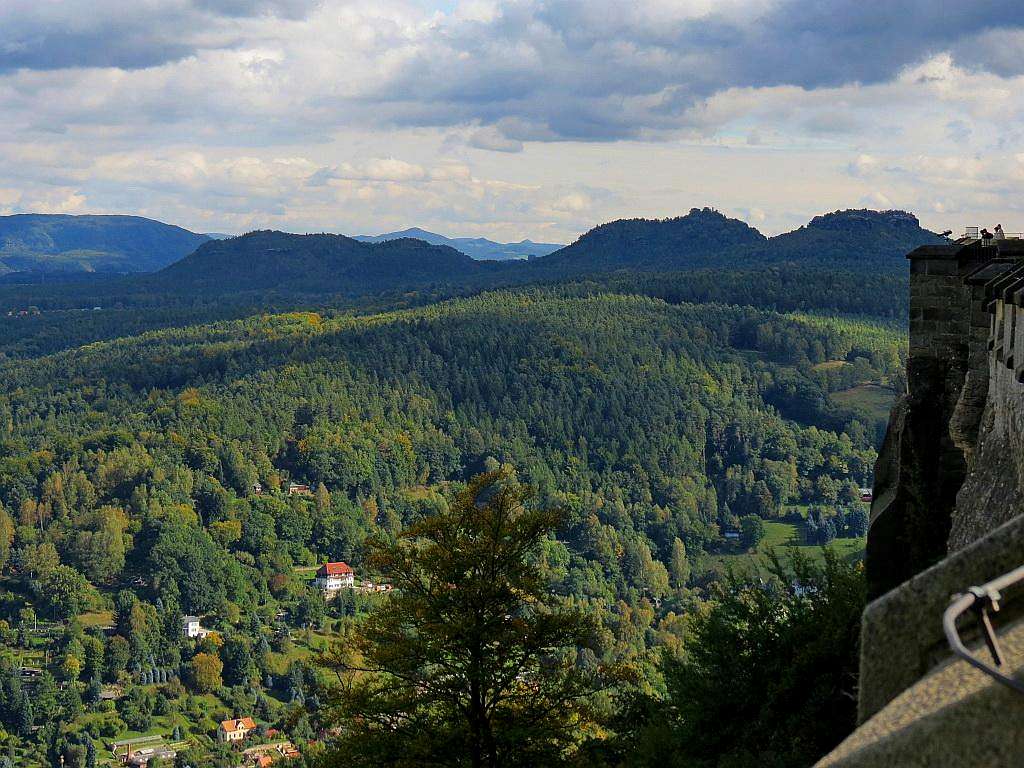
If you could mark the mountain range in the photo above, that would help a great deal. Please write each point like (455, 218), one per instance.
(853, 240)
(58, 243)
(479, 248)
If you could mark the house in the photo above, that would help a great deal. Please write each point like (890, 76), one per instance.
(370, 586)
(866, 495)
(299, 489)
(334, 576)
(287, 750)
(235, 730)
(190, 627)
(732, 535)
(257, 489)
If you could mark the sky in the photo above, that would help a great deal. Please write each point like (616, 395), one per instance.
(521, 119)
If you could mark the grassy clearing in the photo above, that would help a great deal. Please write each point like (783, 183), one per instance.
(871, 398)
(783, 538)
(96, 619)
(830, 365)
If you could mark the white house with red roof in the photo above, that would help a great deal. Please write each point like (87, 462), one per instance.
(236, 729)
(332, 577)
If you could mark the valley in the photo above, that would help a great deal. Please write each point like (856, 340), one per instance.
(691, 415)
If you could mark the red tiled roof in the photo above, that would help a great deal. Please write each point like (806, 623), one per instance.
(334, 569)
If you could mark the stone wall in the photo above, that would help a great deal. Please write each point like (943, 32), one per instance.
(951, 468)
(921, 466)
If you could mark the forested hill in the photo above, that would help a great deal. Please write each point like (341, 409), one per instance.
(867, 241)
(268, 260)
(870, 240)
(701, 236)
(43, 243)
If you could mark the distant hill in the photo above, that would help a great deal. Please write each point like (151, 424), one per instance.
(858, 239)
(855, 242)
(701, 237)
(876, 239)
(45, 243)
(278, 261)
(479, 248)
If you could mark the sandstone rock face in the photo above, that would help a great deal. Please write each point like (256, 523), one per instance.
(992, 492)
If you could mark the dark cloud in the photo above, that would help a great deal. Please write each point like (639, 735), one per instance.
(123, 34)
(601, 69)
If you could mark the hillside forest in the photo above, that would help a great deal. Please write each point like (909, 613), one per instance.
(703, 431)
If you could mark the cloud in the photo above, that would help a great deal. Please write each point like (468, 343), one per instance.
(124, 33)
(522, 117)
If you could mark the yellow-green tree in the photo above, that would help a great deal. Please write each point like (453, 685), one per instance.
(471, 661)
(205, 672)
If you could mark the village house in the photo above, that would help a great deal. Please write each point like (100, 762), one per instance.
(299, 489)
(370, 586)
(235, 730)
(332, 577)
(190, 627)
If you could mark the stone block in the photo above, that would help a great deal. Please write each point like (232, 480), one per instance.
(901, 632)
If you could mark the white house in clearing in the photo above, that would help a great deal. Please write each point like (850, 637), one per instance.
(334, 576)
(190, 627)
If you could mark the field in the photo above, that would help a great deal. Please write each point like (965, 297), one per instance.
(783, 538)
(870, 398)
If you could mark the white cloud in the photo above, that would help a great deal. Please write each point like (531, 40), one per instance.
(512, 119)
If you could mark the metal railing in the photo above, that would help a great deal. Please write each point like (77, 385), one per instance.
(982, 601)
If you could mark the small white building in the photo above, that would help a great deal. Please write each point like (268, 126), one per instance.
(190, 627)
(332, 577)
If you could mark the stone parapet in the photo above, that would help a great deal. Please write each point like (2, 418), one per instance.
(901, 632)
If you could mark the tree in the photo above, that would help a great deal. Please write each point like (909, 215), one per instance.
(751, 530)
(471, 661)
(310, 610)
(236, 653)
(116, 659)
(67, 591)
(679, 565)
(769, 677)
(205, 671)
(857, 520)
(6, 537)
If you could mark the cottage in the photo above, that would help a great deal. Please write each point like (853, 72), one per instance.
(190, 627)
(299, 489)
(866, 495)
(334, 576)
(235, 730)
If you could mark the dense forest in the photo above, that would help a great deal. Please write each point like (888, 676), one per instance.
(168, 455)
(147, 477)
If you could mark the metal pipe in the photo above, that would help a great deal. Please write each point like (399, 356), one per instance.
(981, 599)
